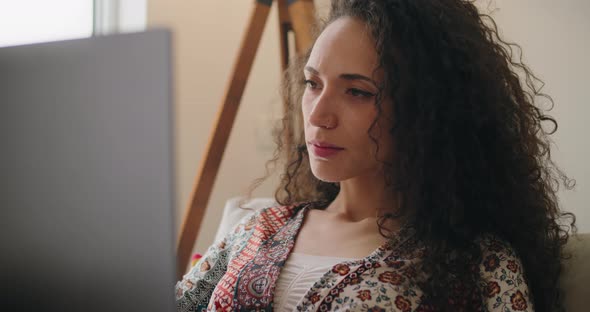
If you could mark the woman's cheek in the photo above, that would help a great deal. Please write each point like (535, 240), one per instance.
(306, 105)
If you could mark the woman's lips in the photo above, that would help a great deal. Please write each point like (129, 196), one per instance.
(322, 151)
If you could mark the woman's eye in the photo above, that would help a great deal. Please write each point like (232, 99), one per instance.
(360, 93)
(310, 84)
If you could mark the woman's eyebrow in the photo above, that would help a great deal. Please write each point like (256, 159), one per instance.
(344, 76)
(357, 77)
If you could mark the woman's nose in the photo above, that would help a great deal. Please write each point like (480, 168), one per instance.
(323, 113)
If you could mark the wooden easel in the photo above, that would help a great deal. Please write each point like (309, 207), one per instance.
(294, 15)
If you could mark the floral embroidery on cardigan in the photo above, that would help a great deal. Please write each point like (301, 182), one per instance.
(239, 273)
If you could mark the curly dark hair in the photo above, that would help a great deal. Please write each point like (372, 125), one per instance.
(472, 153)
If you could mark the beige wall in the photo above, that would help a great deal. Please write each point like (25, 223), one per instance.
(554, 36)
(207, 34)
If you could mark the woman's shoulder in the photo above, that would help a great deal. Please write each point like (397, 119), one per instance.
(284, 211)
(277, 213)
(502, 275)
(492, 245)
(269, 218)
(498, 255)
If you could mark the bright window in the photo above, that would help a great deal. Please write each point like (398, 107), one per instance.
(29, 21)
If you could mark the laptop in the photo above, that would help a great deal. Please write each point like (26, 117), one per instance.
(86, 175)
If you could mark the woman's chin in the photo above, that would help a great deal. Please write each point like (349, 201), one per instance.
(331, 175)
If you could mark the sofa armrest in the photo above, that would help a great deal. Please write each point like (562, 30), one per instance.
(576, 273)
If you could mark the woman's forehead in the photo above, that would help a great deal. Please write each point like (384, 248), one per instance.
(345, 46)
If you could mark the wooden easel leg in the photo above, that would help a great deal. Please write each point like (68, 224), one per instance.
(284, 29)
(218, 140)
(303, 19)
(298, 16)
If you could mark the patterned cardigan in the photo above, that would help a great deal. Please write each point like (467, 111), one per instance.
(239, 273)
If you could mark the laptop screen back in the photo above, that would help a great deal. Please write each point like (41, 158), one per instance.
(86, 175)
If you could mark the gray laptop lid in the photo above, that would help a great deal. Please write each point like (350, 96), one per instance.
(86, 175)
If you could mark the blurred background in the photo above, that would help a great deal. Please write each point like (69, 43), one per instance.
(207, 35)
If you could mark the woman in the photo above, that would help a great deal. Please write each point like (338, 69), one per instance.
(422, 179)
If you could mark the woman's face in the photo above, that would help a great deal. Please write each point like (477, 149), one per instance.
(339, 104)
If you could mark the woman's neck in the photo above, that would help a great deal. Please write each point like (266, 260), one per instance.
(361, 198)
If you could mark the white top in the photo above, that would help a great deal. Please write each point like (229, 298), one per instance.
(298, 275)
